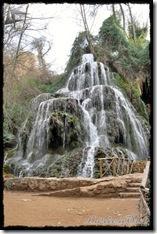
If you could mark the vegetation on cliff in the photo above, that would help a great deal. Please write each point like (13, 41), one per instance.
(29, 75)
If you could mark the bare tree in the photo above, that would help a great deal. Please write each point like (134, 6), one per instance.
(113, 11)
(132, 22)
(88, 36)
(24, 26)
(123, 15)
(39, 45)
(17, 25)
(10, 17)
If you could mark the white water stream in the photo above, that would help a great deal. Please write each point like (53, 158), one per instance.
(102, 106)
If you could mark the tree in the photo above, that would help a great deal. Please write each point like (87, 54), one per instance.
(123, 15)
(88, 35)
(24, 26)
(21, 75)
(17, 24)
(132, 22)
(40, 45)
(113, 11)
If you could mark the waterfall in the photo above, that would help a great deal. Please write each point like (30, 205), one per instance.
(95, 77)
(107, 117)
(40, 130)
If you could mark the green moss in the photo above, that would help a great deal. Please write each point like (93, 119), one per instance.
(6, 169)
(71, 162)
(131, 89)
(77, 51)
(55, 169)
(9, 184)
(66, 127)
(141, 107)
(112, 35)
(10, 153)
(60, 116)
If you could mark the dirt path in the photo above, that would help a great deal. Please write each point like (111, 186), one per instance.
(21, 208)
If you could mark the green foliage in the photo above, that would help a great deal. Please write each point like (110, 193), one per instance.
(76, 52)
(133, 56)
(6, 169)
(9, 184)
(112, 35)
(10, 153)
(138, 55)
(7, 137)
(139, 31)
(68, 128)
(131, 89)
(17, 102)
(14, 115)
(52, 86)
(122, 83)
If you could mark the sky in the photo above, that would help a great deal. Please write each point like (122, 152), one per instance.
(65, 25)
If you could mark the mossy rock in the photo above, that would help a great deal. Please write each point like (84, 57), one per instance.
(66, 131)
(9, 140)
(141, 108)
(131, 89)
(9, 185)
(6, 169)
(66, 165)
(55, 169)
(10, 153)
(71, 161)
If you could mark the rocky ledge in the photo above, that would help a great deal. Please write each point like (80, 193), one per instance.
(120, 186)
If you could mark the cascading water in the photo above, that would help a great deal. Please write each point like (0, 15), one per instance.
(108, 119)
(79, 82)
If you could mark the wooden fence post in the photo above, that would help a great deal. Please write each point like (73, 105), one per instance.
(101, 167)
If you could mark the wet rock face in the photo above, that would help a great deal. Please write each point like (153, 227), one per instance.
(115, 128)
(55, 129)
(53, 164)
(73, 82)
(109, 99)
(40, 98)
(67, 164)
(64, 130)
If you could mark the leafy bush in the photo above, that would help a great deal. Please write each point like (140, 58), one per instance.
(112, 35)
(77, 51)
(19, 90)
(53, 85)
(133, 56)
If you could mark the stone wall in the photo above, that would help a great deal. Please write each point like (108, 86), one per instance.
(45, 184)
(79, 185)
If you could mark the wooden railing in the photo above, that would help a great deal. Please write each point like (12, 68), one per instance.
(144, 192)
(120, 166)
(145, 175)
(114, 166)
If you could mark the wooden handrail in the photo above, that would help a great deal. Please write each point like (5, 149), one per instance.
(144, 202)
(112, 162)
(145, 175)
(143, 187)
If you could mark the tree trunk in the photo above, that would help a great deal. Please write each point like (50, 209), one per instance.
(113, 10)
(83, 15)
(123, 15)
(132, 22)
(19, 42)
